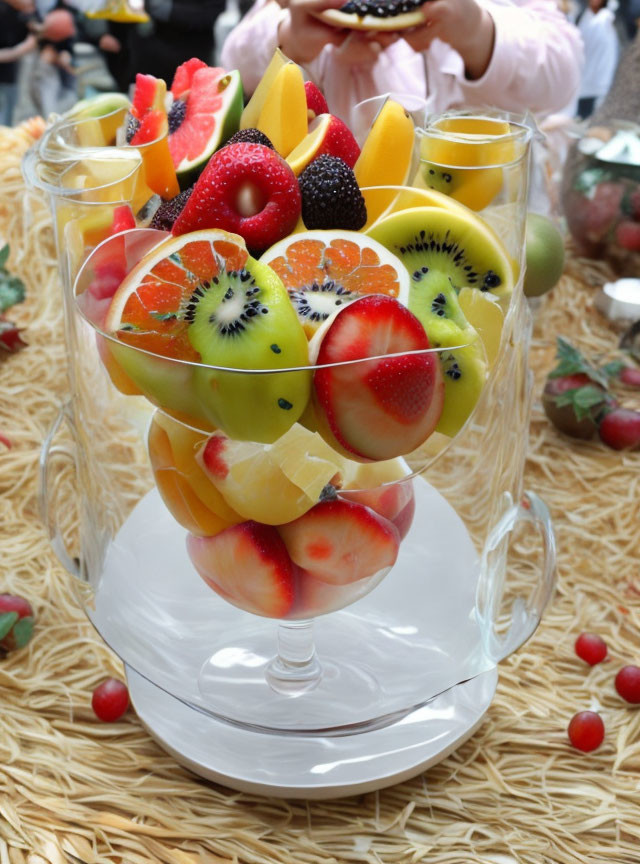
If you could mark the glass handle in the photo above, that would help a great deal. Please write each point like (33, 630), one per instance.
(526, 612)
(47, 453)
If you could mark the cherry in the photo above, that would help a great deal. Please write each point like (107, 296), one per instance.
(591, 648)
(627, 684)
(110, 700)
(586, 731)
(620, 429)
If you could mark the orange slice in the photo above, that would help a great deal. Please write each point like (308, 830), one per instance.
(324, 270)
(144, 310)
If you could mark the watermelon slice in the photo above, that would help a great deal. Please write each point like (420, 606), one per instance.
(147, 116)
(205, 113)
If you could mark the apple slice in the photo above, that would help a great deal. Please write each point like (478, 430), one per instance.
(249, 566)
(340, 542)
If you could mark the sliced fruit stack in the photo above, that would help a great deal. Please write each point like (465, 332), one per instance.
(308, 321)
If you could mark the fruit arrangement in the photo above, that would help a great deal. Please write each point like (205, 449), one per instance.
(578, 401)
(298, 331)
(602, 198)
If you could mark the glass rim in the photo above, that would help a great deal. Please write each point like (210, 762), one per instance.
(199, 365)
(279, 371)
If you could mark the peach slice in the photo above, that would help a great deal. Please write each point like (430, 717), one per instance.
(176, 488)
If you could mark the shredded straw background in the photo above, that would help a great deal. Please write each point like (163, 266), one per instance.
(73, 789)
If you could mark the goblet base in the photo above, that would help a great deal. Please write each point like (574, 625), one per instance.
(312, 767)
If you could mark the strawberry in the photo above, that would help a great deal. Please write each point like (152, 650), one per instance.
(602, 210)
(630, 376)
(386, 407)
(573, 403)
(338, 141)
(247, 564)
(247, 189)
(339, 542)
(620, 429)
(316, 103)
(16, 622)
(628, 235)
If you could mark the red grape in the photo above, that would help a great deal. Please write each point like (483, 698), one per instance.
(591, 648)
(627, 684)
(110, 700)
(586, 731)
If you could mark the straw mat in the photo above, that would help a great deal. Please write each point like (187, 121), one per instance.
(73, 789)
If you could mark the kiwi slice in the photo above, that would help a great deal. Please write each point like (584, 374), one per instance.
(464, 362)
(317, 302)
(242, 319)
(458, 245)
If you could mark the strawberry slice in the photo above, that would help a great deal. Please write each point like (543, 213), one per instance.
(393, 501)
(249, 566)
(340, 542)
(386, 407)
(316, 103)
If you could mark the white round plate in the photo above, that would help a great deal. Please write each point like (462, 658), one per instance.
(310, 767)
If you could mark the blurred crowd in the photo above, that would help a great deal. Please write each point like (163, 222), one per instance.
(49, 43)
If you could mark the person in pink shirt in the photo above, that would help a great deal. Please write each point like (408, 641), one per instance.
(515, 55)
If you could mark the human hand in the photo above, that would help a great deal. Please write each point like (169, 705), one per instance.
(109, 43)
(301, 35)
(464, 25)
(362, 47)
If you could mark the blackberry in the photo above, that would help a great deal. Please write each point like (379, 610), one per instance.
(176, 114)
(133, 124)
(250, 136)
(331, 197)
(380, 8)
(168, 211)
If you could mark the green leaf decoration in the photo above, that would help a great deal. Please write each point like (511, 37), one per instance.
(572, 362)
(23, 631)
(613, 369)
(4, 254)
(582, 399)
(11, 290)
(7, 620)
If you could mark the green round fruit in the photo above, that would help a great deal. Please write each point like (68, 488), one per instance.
(544, 255)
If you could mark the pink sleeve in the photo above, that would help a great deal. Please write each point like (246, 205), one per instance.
(251, 45)
(536, 62)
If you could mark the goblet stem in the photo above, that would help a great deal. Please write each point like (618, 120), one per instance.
(295, 669)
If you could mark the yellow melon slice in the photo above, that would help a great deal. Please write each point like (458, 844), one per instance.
(252, 109)
(283, 117)
(385, 159)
